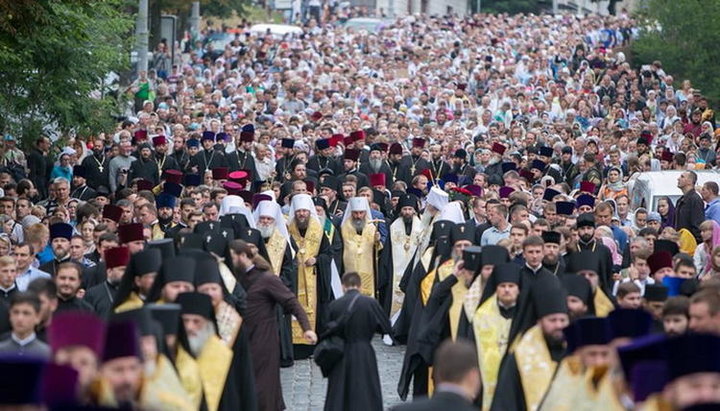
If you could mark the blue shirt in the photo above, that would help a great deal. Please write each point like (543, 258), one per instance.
(492, 236)
(620, 236)
(45, 255)
(23, 280)
(712, 211)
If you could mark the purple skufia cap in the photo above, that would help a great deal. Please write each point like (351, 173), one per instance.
(208, 135)
(585, 199)
(59, 385)
(173, 189)
(122, 340)
(71, 328)
(648, 377)
(475, 190)
(506, 191)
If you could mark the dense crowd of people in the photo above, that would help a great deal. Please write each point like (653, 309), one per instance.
(458, 185)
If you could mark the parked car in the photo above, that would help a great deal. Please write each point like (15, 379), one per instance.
(646, 188)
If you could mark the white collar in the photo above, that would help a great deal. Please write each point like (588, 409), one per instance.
(25, 341)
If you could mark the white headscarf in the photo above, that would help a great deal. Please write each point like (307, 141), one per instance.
(302, 202)
(437, 198)
(357, 204)
(452, 212)
(269, 208)
(236, 205)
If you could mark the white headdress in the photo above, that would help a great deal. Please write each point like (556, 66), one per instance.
(357, 204)
(452, 212)
(302, 202)
(437, 198)
(267, 208)
(236, 205)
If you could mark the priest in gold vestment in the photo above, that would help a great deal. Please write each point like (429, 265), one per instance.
(313, 257)
(361, 244)
(528, 369)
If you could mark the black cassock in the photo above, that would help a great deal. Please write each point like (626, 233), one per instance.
(264, 291)
(166, 162)
(207, 160)
(83, 193)
(145, 169)
(72, 304)
(362, 178)
(411, 166)
(354, 383)
(242, 160)
(366, 169)
(318, 163)
(96, 177)
(102, 297)
(182, 158)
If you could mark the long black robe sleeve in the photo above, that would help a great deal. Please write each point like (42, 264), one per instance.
(509, 394)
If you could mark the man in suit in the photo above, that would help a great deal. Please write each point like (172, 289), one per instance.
(457, 379)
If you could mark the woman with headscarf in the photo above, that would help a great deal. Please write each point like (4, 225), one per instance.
(666, 209)
(614, 187)
(710, 233)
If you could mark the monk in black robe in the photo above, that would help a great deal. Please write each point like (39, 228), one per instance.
(144, 167)
(208, 158)
(354, 383)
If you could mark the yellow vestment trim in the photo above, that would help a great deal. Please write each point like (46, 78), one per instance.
(207, 373)
(359, 254)
(308, 247)
(535, 366)
(491, 337)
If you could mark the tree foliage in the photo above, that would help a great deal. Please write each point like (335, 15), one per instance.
(54, 56)
(684, 36)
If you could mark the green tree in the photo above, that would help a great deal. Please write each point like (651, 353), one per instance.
(684, 36)
(510, 6)
(54, 56)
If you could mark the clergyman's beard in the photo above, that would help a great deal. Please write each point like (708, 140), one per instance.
(493, 160)
(358, 224)
(322, 220)
(549, 260)
(165, 220)
(302, 224)
(408, 219)
(586, 238)
(197, 342)
(266, 231)
(375, 164)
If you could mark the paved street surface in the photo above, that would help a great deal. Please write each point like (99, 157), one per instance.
(304, 386)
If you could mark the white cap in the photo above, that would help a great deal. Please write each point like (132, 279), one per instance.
(437, 198)
(357, 204)
(452, 212)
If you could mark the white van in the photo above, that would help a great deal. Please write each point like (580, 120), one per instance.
(647, 188)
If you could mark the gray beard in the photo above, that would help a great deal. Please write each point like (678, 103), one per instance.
(322, 220)
(266, 231)
(493, 160)
(197, 342)
(358, 224)
(375, 164)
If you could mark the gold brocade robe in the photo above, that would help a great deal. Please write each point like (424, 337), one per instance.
(164, 388)
(275, 247)
(603, 305)
(596, 392)
(158, 233)
(308, 247)
(458, 292)
(229, 323)
(403, 248)
(204, 376)
(492, 331)
(569, 374)
(132, 303)
(359, 254)
(535, 365)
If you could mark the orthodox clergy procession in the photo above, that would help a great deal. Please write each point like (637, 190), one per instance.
(480, 212)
